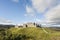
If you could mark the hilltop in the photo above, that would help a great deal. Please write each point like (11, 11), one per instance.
(30, 33)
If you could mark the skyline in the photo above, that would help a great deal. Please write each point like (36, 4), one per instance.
(21, 11)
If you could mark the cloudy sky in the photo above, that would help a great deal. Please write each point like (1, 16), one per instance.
(21, 11)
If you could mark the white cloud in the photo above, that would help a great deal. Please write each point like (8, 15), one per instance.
(15, 1)
(30, 11)
(42, 5)
(53, 15)
(39, 5)
(40, 21)
(3, 20)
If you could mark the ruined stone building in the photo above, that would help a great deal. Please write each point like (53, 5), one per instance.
(29, 25)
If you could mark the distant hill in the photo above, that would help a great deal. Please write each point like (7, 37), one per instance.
(6, 26)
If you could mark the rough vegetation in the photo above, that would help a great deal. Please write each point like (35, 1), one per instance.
(28, 34)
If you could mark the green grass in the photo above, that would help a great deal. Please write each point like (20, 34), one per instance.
(29, 34)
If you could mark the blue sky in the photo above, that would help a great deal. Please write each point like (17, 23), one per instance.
(20, 11)
(13, 11)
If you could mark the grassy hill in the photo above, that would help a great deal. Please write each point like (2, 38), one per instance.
(29, 34)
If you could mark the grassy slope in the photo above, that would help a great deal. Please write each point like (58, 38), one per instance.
(30, 34)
